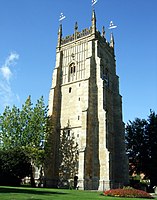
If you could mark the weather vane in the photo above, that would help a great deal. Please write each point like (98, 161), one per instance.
(62, 16)
(94, 2)
(112, 26)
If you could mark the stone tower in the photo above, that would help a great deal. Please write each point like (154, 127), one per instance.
(84, 100)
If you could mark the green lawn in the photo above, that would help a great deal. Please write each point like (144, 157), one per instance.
(21, 193)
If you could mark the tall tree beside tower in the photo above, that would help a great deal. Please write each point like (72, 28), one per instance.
(141, 143)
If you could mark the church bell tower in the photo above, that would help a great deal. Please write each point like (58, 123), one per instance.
(85, 108)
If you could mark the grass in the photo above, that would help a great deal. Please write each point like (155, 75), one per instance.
(22, 193)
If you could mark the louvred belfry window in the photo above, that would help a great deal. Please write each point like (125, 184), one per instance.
(72, 71)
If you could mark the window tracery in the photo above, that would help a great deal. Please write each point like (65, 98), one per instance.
(72, 72)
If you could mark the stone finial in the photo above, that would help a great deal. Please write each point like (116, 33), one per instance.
(76, 27)
(103, 32)
(59, 35)
(112, 41)
(76, 30)
(93, 21)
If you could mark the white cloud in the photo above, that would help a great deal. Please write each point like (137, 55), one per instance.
(7, 96)
(11, 59)
(9, 62)
(6, 72)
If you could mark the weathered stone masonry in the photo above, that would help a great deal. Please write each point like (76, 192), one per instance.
(85, 95)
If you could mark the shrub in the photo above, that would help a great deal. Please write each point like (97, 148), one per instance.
(128, 192)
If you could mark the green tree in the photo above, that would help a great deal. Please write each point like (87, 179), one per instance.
(152, 147)
(35, 130)
(68, 155)
(14, 166)
(25, 122)
(136, 143)
(10, 128)
(25, 129)
(141, 146)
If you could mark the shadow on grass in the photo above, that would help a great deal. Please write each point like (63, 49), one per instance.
(30, 191)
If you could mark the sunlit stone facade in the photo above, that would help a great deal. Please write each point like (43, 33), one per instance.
(85, 95)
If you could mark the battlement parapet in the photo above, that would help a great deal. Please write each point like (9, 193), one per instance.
(77, 35)
(85, 32)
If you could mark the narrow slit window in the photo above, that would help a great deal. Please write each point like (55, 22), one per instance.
(68, 133)
(71, 70)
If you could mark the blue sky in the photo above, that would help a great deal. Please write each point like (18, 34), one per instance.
(28, 38)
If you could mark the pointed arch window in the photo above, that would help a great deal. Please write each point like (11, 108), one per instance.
(72, 72)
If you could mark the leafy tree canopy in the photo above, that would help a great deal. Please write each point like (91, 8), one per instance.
(25, 128)
(141, 145)
(14, 166)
